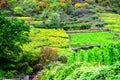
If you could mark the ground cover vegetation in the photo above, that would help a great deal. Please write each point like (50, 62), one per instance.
(60, 39)
(111, 21)
(92, 38)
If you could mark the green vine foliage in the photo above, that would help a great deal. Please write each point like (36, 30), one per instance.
(13, 33)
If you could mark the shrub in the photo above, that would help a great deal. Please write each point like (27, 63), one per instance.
(40, 5)
(100, 9)
(12, 4)
(100, 25)
(78, 5)
(115, 9)
(62, 59)
(90, 1)
(10, 74)
(53, 20)
(1, 74)
(69, 8)
(6, 12)
(54, 5)
(12, 1)
(95, 16)
(63, 5)
(18, 10)
(86, 5)
(24, 68)
(77, 13)
(29, 6)
(82, 12)
(85, 26)
(48, 55)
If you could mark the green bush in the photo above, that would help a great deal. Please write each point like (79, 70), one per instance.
(18, 10)
(10, 74)
(115, 9)
(29, 6)
(12, 3)
(62, 59)
(54, 20)
(1, 74)
(100, 25)
(55, 5)
(6, 12)
(85, 26)
(77, 26)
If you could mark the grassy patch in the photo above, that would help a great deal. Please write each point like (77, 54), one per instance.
(91, 38)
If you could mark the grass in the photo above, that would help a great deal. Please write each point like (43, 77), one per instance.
(54, 38)
(91, 38)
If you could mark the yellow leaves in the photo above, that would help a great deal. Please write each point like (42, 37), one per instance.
(78, 5)
(55, 38)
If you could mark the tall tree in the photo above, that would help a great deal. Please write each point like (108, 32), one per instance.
(13, 33)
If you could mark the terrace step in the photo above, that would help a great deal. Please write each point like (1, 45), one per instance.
(86, 47)
(87, 30)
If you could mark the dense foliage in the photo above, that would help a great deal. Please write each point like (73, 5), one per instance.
(13, 33)
(78, 71)
(107, 54)
(81, 65)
